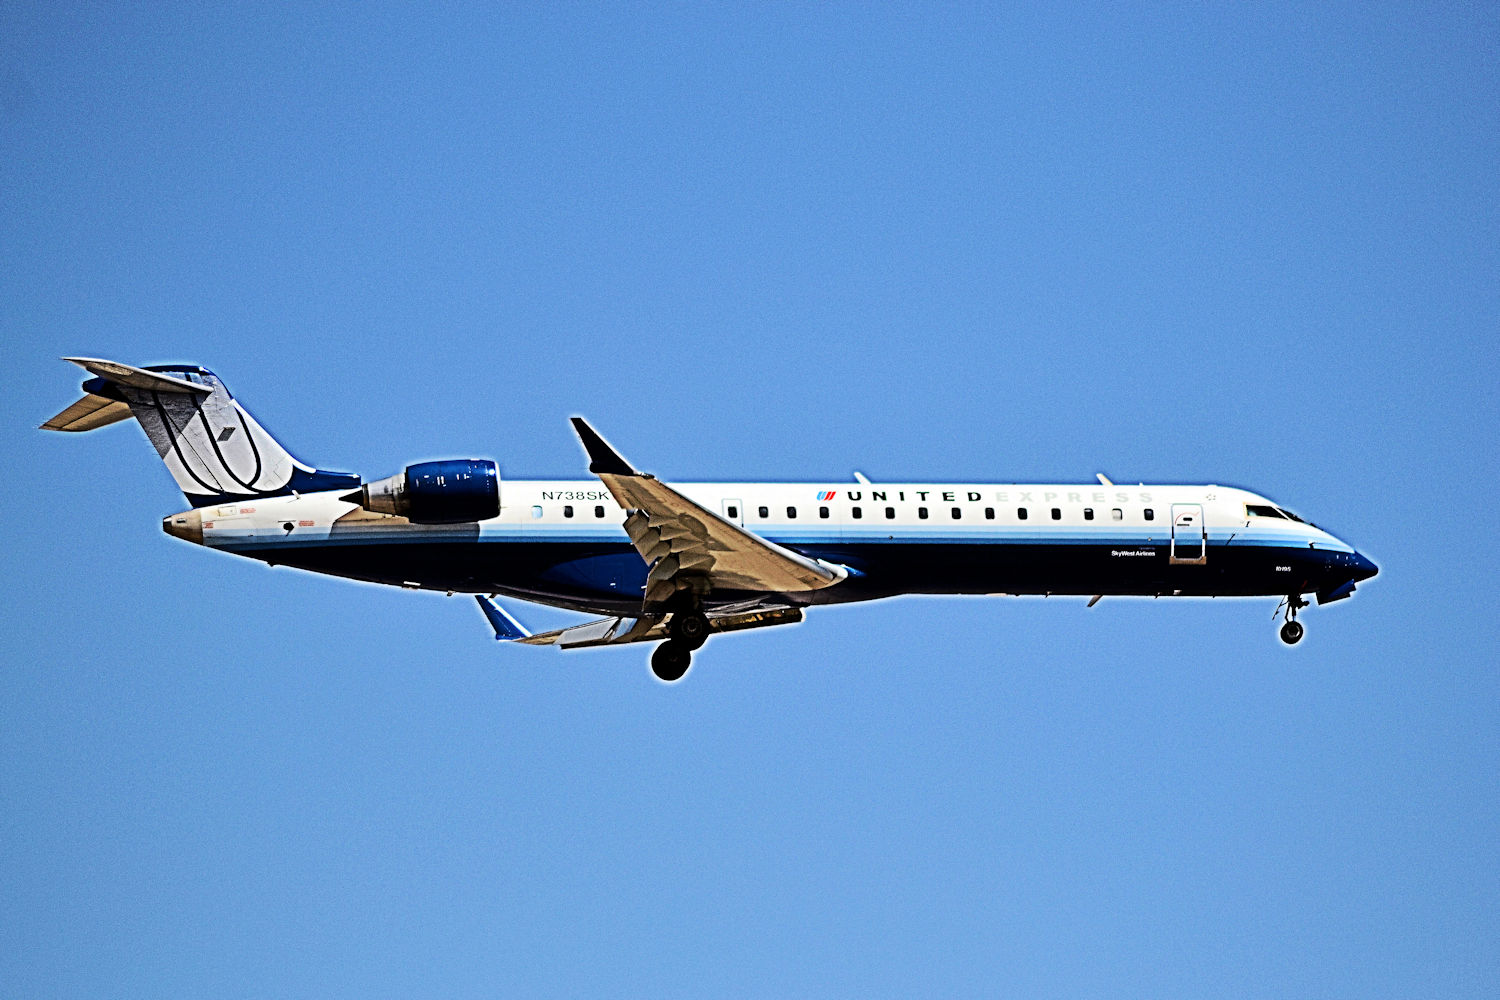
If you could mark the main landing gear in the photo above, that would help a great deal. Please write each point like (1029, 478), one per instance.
(670, 661)
(689, 630)
(1291, 630)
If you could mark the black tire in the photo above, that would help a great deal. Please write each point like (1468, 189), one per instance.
(1292, 632)
(690, 628)
(670, 661)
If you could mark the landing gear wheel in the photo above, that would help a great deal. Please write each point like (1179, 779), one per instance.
(690, 628)
(1291, 630)
(670, 661)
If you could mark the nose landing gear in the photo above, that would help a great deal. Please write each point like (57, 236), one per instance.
(1292, 630)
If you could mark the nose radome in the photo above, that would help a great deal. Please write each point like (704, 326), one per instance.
(1364, 568)
(188, 526)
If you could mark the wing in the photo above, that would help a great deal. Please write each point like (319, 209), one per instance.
(691, 548)
(616, 631)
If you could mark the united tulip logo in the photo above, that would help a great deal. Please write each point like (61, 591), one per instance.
(828, 494)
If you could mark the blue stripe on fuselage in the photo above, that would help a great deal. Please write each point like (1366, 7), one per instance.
(586, 567)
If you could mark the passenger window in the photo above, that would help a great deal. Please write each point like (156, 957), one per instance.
(922, 513)
(1057, 513)
(890, 513)
(791, 513)
(1117, 514)
(1021, 513)
(989, 513)
(1088, 513)
(536, 511)
(957, 513)
(1150, 514)
(856, 513)
(765, 512)
(568, 511)
(733, 511)
(598, 511)
(822, 511)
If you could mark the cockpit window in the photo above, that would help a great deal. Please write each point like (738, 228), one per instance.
(1286, 513)
(1262, 510)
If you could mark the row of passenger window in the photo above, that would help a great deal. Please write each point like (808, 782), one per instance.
(956, 513)
(858, 513)
(536, 511)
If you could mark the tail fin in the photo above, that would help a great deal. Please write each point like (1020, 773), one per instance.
(211, 446)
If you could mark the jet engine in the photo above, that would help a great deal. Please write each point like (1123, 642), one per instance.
(459, 490)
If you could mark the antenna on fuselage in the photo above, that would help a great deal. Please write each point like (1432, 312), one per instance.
(859, 477)
(1103, 479)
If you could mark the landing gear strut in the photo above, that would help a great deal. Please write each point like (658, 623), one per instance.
(1292, 630)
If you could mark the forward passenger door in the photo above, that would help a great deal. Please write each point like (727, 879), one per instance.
(1189, 535)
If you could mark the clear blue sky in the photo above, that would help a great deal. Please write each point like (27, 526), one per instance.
(1245, 244)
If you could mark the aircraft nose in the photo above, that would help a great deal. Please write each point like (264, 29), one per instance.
(1364, 568)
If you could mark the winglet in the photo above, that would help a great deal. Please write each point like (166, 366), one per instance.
(506, 628)
(603, 459)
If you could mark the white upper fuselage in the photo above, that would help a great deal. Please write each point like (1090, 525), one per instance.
(806, 512)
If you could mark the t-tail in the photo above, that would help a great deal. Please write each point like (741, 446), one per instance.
(211, 446)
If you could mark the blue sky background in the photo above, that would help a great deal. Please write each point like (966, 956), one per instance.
(1244, 244)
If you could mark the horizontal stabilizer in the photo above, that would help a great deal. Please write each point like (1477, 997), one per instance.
(506, 627)
(89, 413)
(137, 378)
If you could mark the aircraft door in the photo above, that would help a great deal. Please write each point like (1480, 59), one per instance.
(1189, 535)
(733, 511)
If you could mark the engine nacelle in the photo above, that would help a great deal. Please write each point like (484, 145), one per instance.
(466, 489)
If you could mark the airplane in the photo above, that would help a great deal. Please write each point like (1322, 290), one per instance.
(677, 564)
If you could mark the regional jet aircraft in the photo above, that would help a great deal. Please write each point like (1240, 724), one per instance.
(676, 564)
